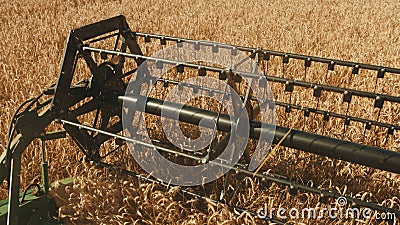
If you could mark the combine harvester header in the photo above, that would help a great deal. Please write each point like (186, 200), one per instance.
(109, 76)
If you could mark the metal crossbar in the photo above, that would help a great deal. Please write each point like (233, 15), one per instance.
(318, 89)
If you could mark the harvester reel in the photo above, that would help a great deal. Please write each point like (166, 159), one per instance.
(102, 95)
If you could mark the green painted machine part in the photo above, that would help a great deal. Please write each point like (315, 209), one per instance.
(37, 208)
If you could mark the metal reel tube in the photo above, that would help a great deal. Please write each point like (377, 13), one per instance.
(326, 146)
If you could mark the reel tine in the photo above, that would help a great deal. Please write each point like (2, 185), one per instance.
(224, 190)
(307, 64)
(380, 75)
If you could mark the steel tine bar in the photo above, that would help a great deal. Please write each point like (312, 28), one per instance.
(336, 115)
(274, 53)
(251, 75)
(286, 182)
(187, 192)
(263, 177)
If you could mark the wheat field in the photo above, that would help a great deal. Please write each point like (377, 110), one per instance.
(32, 38)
